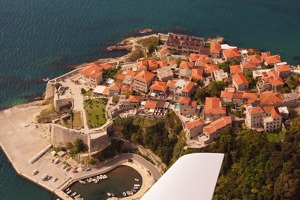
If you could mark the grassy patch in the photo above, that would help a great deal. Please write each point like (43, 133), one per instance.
(115, 76)
(95, 112)
(49, 114)
(275, 136)
(88, 93)
(148, 41)
(74, 122)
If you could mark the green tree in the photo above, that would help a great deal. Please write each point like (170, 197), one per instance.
(216, 87)
(201, 94)
(79, 146)
(135, 55)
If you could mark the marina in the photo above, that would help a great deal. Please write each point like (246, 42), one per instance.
(120, 182)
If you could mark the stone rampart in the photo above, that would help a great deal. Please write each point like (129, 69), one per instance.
(61, 135)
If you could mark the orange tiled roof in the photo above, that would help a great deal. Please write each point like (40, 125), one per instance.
(144, 76)
(171, 84)
(142, 65)
(134, 99)
(153, 64)
(126, 88)
(193, 124)
(93, 70)
(188, 86)
(159, 86)
(275, 113)
(106, 91)
(130, 73)
(115, 86)
(197, 74)
(265, 54)
(106, 66)
(283, 68)
(184, 100)
(248, 95)
(272, 59)
(164, 51)
(150, 104)
(186, 65)
(270, 98)
(204, 61)
(215, 48)
(248, 65)
(162, 64)
(121, 77)
(275, 79)
(231, 53)
(195, 56)
(235, 69)
(255, 110)
(193, 103)
(239, 78)
(211, 68)
(231, 95)
(255, 59)
(217, 124)
(213, 106)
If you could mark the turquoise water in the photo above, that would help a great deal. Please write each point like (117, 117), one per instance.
(42, 38)
(120, 180)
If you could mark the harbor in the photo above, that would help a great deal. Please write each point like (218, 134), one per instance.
(26, 144)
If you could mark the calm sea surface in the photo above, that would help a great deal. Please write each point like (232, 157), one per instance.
(42, 38)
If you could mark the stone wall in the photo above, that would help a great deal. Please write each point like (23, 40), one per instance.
(61, 135)
(50, 89)
(98, 143)
(58, 103)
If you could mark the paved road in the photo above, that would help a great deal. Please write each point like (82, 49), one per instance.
(121, 159)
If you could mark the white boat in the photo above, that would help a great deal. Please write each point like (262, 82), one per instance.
(137, 185)
(124, 194)
(46, 79)
(81, 181)
(69, 191)
(108, 194)
(128, 193)
(104, 176)
(137, 180)
(73, 194)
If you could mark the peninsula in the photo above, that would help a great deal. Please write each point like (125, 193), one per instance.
(173, 94)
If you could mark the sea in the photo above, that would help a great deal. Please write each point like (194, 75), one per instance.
(43, 39)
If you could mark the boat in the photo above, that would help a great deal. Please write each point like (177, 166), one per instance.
(69, 191)
(128, 193)
(46, 79)
(81, 181)
(104, 177)
(108, 194)
(124, 194)
(137, 180)
(137, 185)
(73, 194)
(147, 30)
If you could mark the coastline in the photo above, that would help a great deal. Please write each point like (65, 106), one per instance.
(17, 138)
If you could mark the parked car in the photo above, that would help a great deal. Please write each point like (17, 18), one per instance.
(88, 169)
(55, 179)
(75, 171)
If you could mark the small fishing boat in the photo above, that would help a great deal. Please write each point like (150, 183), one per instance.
(137, 180)
(124, 194)
(147, 30)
